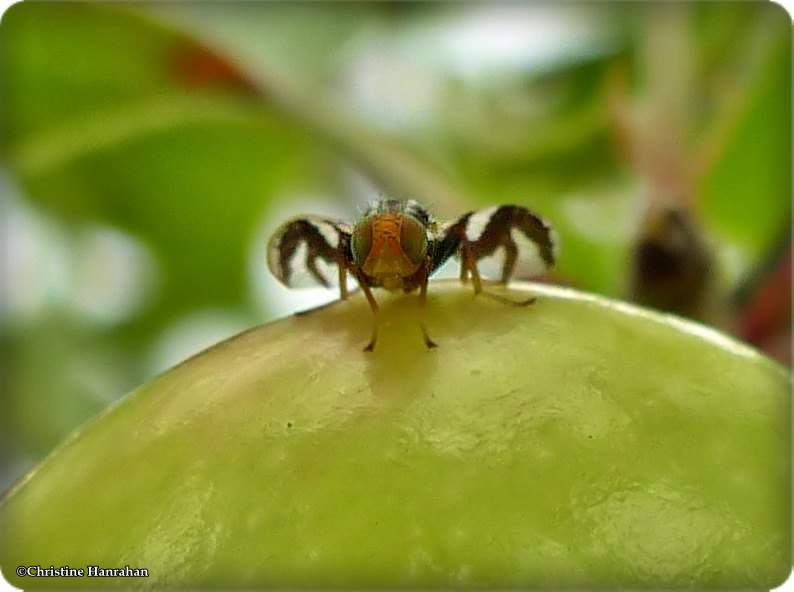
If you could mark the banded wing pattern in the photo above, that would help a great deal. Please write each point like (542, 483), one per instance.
(303, 250)
(512, 237)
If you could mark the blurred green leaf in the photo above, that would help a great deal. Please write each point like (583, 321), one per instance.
(746, 196)
(56, 376)
(60, 61)
(188, 170)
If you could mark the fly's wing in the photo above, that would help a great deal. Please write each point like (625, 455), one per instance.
(503, 241)
(309, 250)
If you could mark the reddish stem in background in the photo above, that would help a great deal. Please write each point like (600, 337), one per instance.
(768, 311)
(198, 66)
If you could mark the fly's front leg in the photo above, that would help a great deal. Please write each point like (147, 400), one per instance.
(470, 263)
(423, 307)
(373, 305)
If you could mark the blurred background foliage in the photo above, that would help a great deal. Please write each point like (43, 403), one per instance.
(149, 149)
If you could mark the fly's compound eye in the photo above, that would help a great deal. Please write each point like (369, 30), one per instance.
(361, 242)
(413, 239)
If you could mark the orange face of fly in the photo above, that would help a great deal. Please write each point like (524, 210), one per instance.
(389, 247)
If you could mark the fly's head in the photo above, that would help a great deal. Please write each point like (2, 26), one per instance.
(389, 246)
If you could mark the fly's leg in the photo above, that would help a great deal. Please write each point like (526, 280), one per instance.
(464, 273)
(373, 305)
(470, 263)
(423, 308)
(343, 293)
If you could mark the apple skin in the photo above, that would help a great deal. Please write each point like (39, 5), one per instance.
(575, 442)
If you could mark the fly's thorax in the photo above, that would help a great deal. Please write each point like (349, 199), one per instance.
(389, 246)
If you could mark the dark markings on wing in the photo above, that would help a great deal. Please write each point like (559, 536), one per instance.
(297, 246)
(524, 236)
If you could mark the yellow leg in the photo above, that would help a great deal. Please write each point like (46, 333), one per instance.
(423, 308)
(342, 282)
(467, 265)
(373, 304)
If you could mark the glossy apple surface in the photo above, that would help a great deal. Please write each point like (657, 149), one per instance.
(575, 442)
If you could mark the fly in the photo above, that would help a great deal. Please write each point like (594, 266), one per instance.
(398, 245)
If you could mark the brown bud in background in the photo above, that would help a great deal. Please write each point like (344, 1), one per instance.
(672, 266)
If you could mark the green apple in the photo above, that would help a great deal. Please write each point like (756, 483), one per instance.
(575, 442)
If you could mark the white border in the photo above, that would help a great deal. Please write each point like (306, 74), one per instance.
(787, 5)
